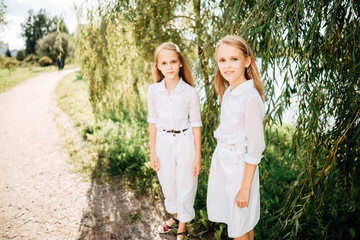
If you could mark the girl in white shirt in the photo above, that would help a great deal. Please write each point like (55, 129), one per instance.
(233, 190)
(175, 135)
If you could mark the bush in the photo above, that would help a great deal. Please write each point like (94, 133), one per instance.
(10, 63)
(30, 59)
(20, 55)
(45, 61)
(2, 59)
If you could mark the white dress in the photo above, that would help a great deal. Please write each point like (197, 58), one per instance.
(240, 137)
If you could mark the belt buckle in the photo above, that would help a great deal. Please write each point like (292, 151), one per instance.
(174, 134)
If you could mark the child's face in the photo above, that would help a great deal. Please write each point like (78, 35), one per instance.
(232, 63)
(169, 64)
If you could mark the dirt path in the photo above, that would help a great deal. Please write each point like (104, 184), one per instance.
(39, 197)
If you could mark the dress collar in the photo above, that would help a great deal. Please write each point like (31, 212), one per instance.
(179, 87)
(241, 88)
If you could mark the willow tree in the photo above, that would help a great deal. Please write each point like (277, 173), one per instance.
(316, 46)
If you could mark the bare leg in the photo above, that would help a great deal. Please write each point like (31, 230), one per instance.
(247, 236)
(170, 223)
(181, 229)
(243, 237)
(251, 234)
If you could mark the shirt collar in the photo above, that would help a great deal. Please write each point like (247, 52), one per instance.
(179, 87)
(241, 88)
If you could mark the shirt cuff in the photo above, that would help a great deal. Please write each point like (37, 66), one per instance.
(196, 124)
(152, 120)
(252, 160)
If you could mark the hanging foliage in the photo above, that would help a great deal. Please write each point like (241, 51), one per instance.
(308, 52)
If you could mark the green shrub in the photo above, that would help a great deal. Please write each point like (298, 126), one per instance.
(10, 64)
(45, 61)
(20, 55)
(31, 59)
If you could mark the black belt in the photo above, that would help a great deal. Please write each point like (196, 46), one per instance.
(175, 131)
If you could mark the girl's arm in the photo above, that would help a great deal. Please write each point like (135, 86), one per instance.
(153, 158)
(197, 138)
(254, 115)
(152, 119)
(195, 122)
(243, 196)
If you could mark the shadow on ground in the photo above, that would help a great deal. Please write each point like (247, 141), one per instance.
(119, 214)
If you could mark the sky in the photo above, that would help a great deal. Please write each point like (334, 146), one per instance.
(17, 11)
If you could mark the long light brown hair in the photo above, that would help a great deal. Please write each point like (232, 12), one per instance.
(252, 73)
(184, 73)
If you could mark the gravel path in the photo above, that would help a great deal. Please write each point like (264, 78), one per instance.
(39, 197)
(37, 194)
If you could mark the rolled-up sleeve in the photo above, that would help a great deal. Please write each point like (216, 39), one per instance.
(194, 113)
(254, 130)
(152, 115)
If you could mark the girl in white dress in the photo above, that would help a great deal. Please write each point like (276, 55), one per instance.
(233, 190)
(175, 135)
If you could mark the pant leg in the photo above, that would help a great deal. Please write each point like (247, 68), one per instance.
(167, 172)
(186, 184)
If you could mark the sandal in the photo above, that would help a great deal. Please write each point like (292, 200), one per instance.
(180, 234)
(164, 228)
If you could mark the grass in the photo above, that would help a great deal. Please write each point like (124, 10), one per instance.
(20, 74)
(72, 98)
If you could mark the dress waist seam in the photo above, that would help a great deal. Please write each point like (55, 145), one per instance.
(240, 149)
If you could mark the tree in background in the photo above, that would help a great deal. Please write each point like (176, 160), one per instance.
(20, 55)
(10, 64)
(37, 26)
(59, 23)
(2, 13)
(8, 53)
(31, 59)
(49, 46)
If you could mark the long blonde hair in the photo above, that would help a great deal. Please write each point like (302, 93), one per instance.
(251, 72)
(184, 73)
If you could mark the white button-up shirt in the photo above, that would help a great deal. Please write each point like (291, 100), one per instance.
(175, 111)
(241, 120)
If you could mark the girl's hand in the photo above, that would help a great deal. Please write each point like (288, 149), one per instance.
(154, 162)
(197, 168)
(243, 197)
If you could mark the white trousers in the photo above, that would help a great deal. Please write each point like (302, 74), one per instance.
(176, 155)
